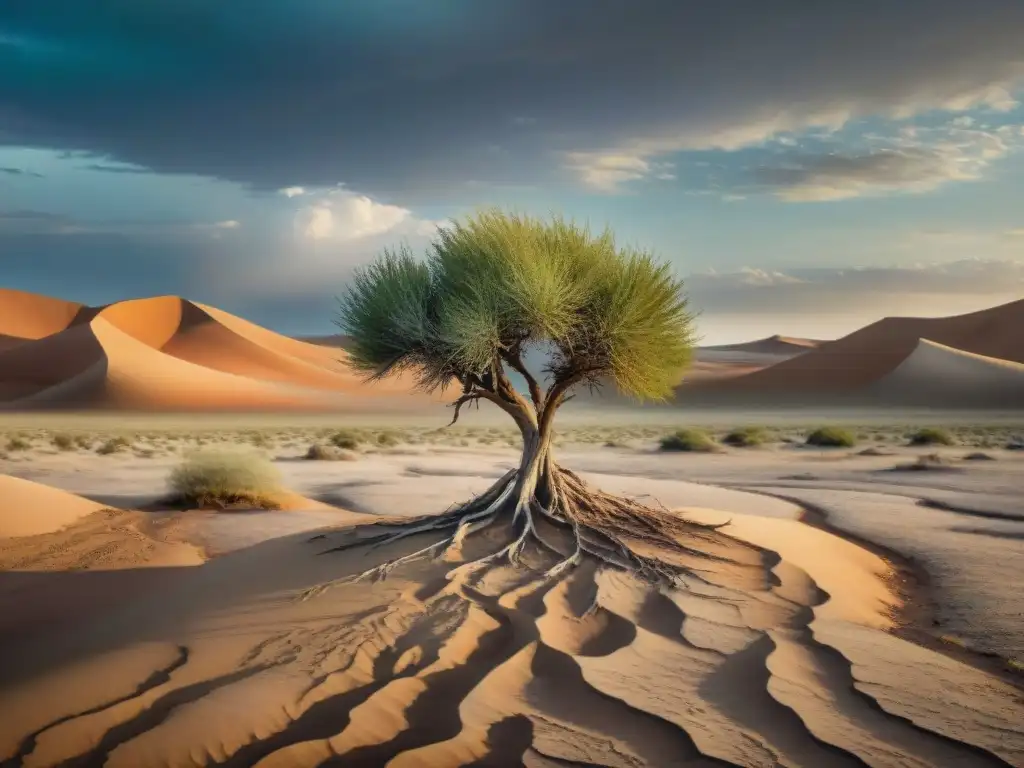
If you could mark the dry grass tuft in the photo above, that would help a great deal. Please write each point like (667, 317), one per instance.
(222, 479)
(831, 437)
(689, 440)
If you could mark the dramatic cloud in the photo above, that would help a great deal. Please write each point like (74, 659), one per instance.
(918, 159)
(409, 101)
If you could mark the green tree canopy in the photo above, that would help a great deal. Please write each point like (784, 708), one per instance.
(495, 284)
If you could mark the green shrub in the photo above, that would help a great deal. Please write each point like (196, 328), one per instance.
(831, 437)
(223, 478)
(345, 439)
(114, 445)
(63, 441)
(688, 440)
(746, 437)
(932, 436)
(388, 440)
(321, 452)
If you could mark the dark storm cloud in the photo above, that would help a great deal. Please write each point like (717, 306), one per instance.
(410, 99)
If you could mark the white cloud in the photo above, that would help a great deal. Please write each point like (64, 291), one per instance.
(609, 172)
(292, 191)
(333, 231)
(228, 224)
(342, 216)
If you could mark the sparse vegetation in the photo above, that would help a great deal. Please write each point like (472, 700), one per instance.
(322, 452)
(932, 436)
(225, 479)
(63, 441)
(16, 443)
(746, 437)
(345, 439)
(114, 445)
(831, 437)
(693, 440)
(388, 440)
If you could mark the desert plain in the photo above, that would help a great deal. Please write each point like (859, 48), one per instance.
(854, 603)
(864, 611)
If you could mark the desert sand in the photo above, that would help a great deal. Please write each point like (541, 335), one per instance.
(845, 619)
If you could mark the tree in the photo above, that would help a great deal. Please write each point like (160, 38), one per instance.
(492, 287)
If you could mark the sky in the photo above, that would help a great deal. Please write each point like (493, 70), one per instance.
(808, 168)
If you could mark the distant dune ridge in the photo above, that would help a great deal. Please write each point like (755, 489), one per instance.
(169, 354)
(971, 360)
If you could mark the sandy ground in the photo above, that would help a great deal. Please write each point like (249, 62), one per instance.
(860, 615)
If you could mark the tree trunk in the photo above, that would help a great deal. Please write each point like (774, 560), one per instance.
(532, 476)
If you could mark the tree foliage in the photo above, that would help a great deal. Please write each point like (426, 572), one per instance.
(493, 285)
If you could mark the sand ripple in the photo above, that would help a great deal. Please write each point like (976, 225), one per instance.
(779, 653)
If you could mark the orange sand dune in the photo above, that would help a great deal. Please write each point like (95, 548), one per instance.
(167, 353)
(855, 361)
(35, 365)
(131, 375)
(28, 509)
(29, 316)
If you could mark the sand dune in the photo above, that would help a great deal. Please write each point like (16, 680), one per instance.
(29, 316)
(331, 340)
(846, 367)
(28, 508)
(167, 353)
(130, 375)
(938, 375)
(773, 345)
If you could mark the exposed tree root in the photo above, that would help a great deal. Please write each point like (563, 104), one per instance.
(588, 523)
